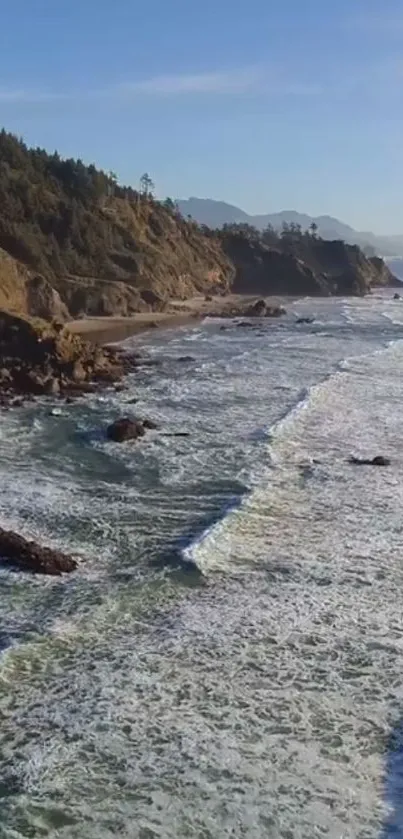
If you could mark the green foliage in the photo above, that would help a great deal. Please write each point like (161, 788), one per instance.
(291, 239)
(58, 216)
(147, 185)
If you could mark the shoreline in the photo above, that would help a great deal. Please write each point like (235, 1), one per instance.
(112, 329)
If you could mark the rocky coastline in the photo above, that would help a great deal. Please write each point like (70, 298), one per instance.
(41, 359)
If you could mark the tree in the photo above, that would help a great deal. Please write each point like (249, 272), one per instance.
(313, 229)
(169, 205)
(147, 185)
(270, 236)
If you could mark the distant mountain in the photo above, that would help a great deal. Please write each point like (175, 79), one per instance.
(217, 213)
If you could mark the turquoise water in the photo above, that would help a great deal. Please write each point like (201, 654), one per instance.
(227, 661)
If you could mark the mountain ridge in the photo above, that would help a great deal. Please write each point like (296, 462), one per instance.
(216, 213)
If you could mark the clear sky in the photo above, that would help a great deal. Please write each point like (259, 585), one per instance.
(267, 105)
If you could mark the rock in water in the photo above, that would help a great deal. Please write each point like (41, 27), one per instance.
(379, 460)
(125, 429)
(33, 557)
(258, 309)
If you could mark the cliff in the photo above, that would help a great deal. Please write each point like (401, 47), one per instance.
(103, 248)
(304, 265)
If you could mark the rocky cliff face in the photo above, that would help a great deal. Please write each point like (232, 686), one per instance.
(312, 267)
(24, 291)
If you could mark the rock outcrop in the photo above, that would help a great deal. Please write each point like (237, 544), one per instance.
(30, 556)
(259, 308)
(45, 358)
(308, 266)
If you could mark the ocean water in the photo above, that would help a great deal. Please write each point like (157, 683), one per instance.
(228, 659)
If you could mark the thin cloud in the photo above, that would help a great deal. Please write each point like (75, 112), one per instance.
(30, 96)
(236, 81)
(244, 81)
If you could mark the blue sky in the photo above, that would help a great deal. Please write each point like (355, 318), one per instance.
(264, 104)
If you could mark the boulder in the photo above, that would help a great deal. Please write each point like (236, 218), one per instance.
(396, 296)
(258, 309)
(125, 429)
(30, 556)
(305, 320)
(261, 309)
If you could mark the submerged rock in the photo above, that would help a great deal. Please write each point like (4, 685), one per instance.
(33, 557)
(305, 320)
(396, 296)
(379, 460)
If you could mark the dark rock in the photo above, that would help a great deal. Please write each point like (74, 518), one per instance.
(261, 309)
(186, 358)
(33, 557)
(258, 309)
(379, 460)
(125, 429)
(305, 320)
(396, 296)
(132, 401)
(208, 298)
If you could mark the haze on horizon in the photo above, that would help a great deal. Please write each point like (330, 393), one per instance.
(263, 107)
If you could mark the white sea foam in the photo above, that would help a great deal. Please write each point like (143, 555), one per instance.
(260, 702)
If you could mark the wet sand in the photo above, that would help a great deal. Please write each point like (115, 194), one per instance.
(179, 313)
(111, 329)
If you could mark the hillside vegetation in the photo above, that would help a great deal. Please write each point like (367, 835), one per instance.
(73, 242)
(105, 248)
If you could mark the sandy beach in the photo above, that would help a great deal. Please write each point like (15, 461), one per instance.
(178, 313)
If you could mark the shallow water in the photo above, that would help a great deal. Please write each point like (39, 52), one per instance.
(227, 662)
